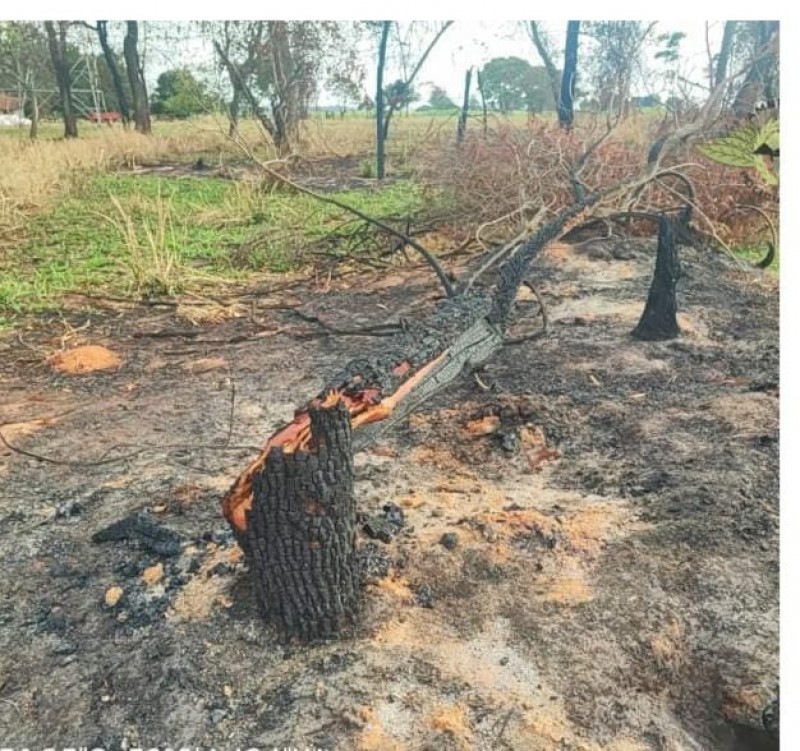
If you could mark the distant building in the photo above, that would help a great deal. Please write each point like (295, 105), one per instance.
(9, 103)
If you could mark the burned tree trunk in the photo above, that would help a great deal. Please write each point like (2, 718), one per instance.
(659, 319)
(297, 494)
(300, 531)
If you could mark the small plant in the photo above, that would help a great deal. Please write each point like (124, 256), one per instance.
(154, 260)
(367, 169)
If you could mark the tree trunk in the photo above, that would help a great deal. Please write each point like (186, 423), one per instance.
(462, 120)
(380, 142)
(549, 65)
(57, 43)
(483, 104)
(116, 76)
(566, 102)
(758, 81)
(659, 319)
(233, 110)
(238, 80)
(300, 536)
(141, 107)
(284, 99)
(721, 68)
(34, 131)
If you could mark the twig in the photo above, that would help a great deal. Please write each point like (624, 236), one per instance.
(124, 457)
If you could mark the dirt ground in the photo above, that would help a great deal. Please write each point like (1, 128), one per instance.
(589, 556)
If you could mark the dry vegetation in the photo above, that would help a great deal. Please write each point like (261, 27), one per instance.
(86, 215)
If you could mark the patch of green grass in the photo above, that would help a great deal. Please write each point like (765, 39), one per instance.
(754, 255)
(143, 234)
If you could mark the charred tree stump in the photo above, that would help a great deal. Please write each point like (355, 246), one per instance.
(292, 509)
(300, 535)
(659, 319)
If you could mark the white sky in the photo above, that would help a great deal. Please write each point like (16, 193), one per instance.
(466, 43)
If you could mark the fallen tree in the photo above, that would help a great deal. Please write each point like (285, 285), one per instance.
(292, 509)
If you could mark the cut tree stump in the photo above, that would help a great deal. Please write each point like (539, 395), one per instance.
(659, 319)
(300, 533)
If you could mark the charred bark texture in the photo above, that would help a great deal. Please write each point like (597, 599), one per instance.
(300, 536)
(659, 319)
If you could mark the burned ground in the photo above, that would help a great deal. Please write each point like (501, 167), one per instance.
(588, 557)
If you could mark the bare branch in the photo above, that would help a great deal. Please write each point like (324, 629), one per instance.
(430, 259)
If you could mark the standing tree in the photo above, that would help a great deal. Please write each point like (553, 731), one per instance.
(23, 54)
(615, 60)
(179, 94)
(238, 47)
(380, 136)
(718, 67)
(401, 89)
(116, 75)
(561, 84)
(757, 42)
(57, 43)
(462, 118)
(439, 100)
(511, 83)
(133, 64)
(277, 61)
(566, 100)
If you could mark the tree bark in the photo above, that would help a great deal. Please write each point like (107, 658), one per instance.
(284, 99)
(721, 68)
(549, 65)
(483, 104)
(238, 79)
(133, 65)
(116, 76)
(659, 319)
(57, 44)
(31, 87)
(380, 136)
(233, 111)
(300, 536)
(757, 83)
(462, 120)
(566, 102)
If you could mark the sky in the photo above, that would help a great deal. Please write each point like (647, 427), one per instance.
(466, 43)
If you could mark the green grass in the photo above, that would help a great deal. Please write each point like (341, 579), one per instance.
(140, 235)
(754, 255)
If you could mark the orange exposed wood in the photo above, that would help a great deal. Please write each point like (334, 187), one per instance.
(365, 407)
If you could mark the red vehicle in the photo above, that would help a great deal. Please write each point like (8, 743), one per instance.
(104, 117)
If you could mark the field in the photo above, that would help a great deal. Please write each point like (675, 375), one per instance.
(587, 551)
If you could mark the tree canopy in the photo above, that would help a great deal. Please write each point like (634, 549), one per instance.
(511, 83)
(179, 94)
